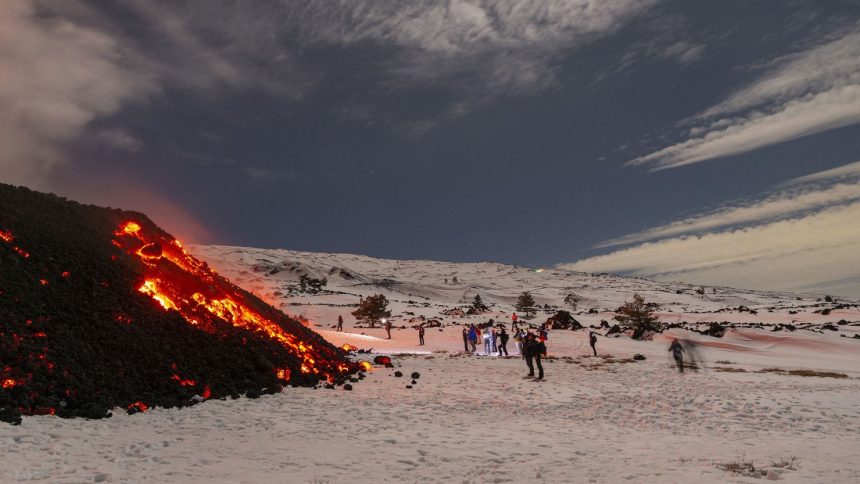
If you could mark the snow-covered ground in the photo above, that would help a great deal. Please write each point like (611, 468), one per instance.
(475, 418)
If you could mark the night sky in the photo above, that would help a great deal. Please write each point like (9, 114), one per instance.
(712, 142)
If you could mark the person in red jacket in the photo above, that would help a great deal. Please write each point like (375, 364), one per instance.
(513, 321)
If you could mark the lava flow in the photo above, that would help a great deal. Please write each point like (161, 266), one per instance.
(179, 282)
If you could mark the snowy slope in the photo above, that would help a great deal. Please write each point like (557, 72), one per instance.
(474, 418)
(420, 287)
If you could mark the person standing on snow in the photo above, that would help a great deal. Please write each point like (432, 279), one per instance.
(518, 341)
(465, 339)
(340, 323)
(420, 335)
(487, 336)
(592, 340)
(677, 353)
(513, 321)
(533, 350)
(494, 338)
(503, 342)
(473, 337)
(388, 328)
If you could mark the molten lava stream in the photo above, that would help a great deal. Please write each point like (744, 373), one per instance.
(180, 282)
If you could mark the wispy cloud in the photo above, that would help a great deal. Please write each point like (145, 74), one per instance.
(802, 238)
(801, 196)
(479, 51)
(802, 94)
(55, 78)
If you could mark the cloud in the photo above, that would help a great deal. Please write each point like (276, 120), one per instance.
(847, 172)
(477, 50)
(816, 253)
(803, 94)
(55, 79)
(782, 204)
(801, 239)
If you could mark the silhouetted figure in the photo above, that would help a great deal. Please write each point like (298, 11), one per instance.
(592, 340)
(388, 328)
(494, 338)
(503, 342)
(692, 352)
(677, 353)
(340, 323)
(420, 335)
(532, 351)
(466, 339)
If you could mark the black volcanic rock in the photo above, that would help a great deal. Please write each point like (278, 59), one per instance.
(78, 337)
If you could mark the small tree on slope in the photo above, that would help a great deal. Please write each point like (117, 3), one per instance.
(478, 304)
(372, 309)
(639, 315)
(526, 304)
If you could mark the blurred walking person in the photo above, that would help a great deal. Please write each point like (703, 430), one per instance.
(678, 354)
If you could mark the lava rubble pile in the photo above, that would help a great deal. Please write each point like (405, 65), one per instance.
(101, 309)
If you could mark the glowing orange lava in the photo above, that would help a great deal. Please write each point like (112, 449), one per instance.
(8, 383)
(140, 406)
(183, 381)
(6, 236)
(181, 283)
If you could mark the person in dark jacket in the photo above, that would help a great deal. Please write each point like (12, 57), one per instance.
(677, 353)
(532, 351)
(466, 339)
(420, 335)
(503, 342)
(340, 323)
(592, 340)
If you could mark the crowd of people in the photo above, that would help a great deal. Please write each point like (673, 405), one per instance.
(530, 345)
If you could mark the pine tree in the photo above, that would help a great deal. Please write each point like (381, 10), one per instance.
(526, 304)
(478, 304)
(372, 309)
(640, 315)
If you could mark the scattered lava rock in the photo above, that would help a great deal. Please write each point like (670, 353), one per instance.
(415, 375)
(639, 357)
(81, 336)
(398, 374)
(408, 386)
(382, 360)
(347, 387)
